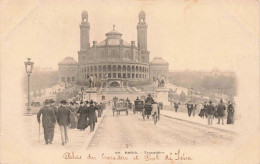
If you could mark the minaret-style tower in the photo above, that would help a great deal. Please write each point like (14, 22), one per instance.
(84, 31)
(142, 32)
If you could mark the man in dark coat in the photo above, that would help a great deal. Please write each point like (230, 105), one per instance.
(210, 111)
(190, 108)
(83, 116)
(48, 121)
(176, 107)
(149, 98)
(92, 115)
(63, 119)
(221, 111)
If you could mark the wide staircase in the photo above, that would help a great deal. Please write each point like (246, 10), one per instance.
(118, 90)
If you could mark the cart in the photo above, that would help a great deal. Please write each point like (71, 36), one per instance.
(138, 106)
(119, 107)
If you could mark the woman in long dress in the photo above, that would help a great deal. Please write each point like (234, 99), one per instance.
(231, 111)
(83, 115)
(73, 116)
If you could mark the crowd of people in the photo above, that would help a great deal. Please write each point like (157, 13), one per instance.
(211, 110)
(68, 115)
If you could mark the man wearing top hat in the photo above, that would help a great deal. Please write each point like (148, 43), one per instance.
(63, 119)
(92, 115)
(210, 111)
(190, 108)
(48, 121)
(221, 111)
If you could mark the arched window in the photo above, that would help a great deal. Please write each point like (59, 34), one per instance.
(119, 68)
(114, 67)
(133, 68)
(124, 68)
(109, 68)
(104, 68)
(128, 68)
(100, 68)
(136, 68)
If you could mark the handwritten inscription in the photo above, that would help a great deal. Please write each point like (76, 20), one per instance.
(133, 155)
(71, 155)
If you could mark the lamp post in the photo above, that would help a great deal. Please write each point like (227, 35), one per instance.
(82, 90)
(28, 68)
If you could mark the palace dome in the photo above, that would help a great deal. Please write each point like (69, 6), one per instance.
(68, 61)
(159, 61)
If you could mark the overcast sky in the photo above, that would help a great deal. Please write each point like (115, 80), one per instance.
(189, 34)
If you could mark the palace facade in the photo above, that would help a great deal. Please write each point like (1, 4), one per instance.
(113, 61)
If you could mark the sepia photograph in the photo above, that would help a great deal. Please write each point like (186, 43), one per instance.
(142, 81)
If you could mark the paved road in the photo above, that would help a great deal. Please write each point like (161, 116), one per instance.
(132, 131)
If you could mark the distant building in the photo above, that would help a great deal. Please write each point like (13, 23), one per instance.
(68, 70)
(113, 61)
(158, 68)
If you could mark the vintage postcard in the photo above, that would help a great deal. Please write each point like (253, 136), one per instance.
(131, 81)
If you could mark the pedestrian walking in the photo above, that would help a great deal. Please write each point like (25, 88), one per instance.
(202, 111)
(221, 111)
(73, 115)
(231, 111)
(176, 107)
(190, 108)
(63, 119)
(83, 117)
(210, 111)
(194, 109)
(99, 107)
(48, 121)
(92, 115)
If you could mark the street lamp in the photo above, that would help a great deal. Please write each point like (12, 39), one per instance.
(82, 90)
(28, 68)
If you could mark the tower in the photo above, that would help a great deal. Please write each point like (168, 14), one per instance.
(142, 32)
(84, 31)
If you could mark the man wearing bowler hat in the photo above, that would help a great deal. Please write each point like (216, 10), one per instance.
(48, 121)
(63, 119)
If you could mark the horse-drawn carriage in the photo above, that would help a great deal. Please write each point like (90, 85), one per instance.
(119, 106)
(146, 108)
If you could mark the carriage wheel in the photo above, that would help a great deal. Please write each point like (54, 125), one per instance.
(143, 113)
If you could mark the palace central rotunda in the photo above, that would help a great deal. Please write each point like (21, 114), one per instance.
(113, 61)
